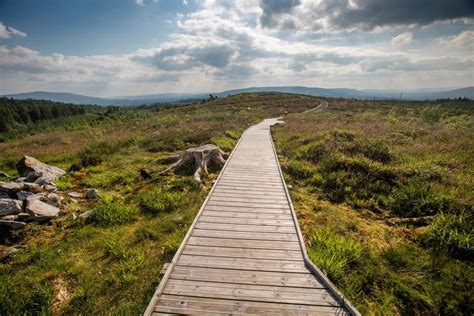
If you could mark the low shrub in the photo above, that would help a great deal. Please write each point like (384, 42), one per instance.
(300, 169)
(113, 212)
(224, 143)
(417, 198)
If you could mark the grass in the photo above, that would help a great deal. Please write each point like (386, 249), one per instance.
(112, 265)
(384, 196)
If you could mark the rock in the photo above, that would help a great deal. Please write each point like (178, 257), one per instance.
(43, 181)
(146, 174)
(54, 199)
(19, 180)
(42, 211)
(29, 164)
(37, 196)
(32, 176)
(11, 225)
(50, 188)
(75, 195)
(3, 175)
(23, 217)
(10, 187)
(4, 195)
(9, 218)
(33, 187)
(23, 195)
(92, 194)
(73, 200)
(10, 207)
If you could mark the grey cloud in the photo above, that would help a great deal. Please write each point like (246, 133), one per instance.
(402, 63)
(181, 58)
(165, 77)
(237, 71)
(366, 15)
(272, 9)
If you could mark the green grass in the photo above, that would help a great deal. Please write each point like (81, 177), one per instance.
(384, 196)
(111, 266)
(113, 212)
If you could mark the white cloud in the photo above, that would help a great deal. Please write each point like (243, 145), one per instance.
(9, 32)
(402, 39)
(140, 2)
(465, 38)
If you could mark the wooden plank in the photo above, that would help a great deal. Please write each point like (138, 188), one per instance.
(251, 205)
(242, 263)
(249, 215)
(309, 296)
(246, 228)
(244, 221)
(249, 193)
(288, 279)
(208, 306)
(244, 235)
(279, 200)
(251, 210)
(289, 255)
(242, 243)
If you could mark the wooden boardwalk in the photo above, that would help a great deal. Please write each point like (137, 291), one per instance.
(244, 253)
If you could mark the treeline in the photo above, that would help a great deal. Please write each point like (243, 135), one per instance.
(15, 113)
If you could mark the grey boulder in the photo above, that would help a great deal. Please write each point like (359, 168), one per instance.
(11, 225)
(11, 187)
(10, 207)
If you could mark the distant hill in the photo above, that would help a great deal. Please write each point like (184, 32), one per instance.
(467, 92)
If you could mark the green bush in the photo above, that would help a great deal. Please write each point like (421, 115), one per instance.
(452, 233)
(300, 169)
(157, 201)
(113, 212)
(417, 198)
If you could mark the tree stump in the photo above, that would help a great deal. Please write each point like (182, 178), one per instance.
(202, 157)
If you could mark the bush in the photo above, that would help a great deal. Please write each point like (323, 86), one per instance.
(300, 169)
(452, 233)
(113, 212)
(157, 201)
(417, 198)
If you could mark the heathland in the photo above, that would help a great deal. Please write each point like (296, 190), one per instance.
(383, 192)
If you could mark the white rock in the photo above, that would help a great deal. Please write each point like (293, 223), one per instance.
(11, 187)
(41, 210)
(29, 164)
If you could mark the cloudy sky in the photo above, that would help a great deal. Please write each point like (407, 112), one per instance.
(133, 47)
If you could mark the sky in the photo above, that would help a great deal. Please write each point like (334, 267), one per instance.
(112, 48)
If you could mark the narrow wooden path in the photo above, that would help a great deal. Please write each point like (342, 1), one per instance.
(244, 253)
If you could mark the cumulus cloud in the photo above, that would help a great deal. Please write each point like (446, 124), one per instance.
(9, 32)
(140, 2)
(465, 38)
(402, 39)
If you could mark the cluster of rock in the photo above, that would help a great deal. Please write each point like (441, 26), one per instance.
(32, 197)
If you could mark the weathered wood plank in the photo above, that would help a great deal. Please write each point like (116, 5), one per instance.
(288, 255)
(244, 235)
(242, 264)
(245, 221)
(309, 296)
(246, 228)
(242, 243)
(288, 279)
(249, 215)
